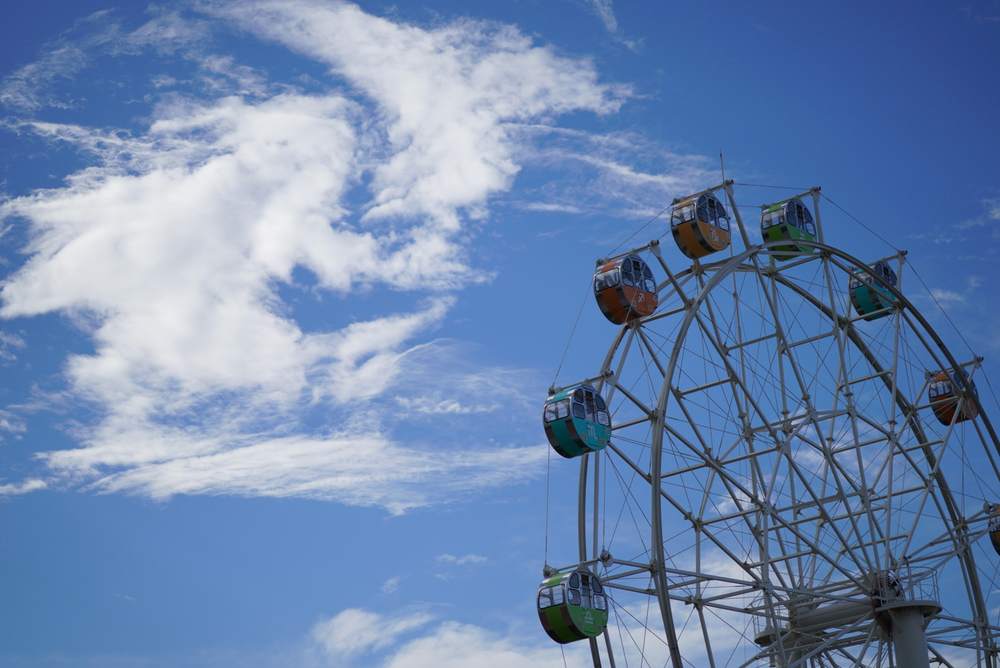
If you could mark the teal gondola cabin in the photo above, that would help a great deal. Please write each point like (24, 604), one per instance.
(788, 221)
(572, 606)
(869, 289)
(577, 421)
(625, 289)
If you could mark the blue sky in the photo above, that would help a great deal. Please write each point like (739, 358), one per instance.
(285, 283)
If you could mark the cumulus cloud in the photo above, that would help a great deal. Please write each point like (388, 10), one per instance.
(354, 631)
(175, 248)
(455, 645)
(449, 644)
(447, 96)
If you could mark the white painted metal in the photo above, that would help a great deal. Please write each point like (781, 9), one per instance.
(772, 455)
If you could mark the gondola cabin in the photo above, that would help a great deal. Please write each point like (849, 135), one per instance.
(788, 221)
(577, 421)
(947, 400)
(625, 289)
(700, 225)
(994, 528)
(572, 606)
(869, 292)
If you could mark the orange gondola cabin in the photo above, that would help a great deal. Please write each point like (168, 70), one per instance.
(700, 225)
(949, 400)
(625, 289)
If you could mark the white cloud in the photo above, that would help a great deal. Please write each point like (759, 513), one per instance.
(11, 422)
(606, 12)
(446, 95)
(947, 297)
(450, 644)
(462, 561)
(28, 87)
(354, 631)
(547, 207)
(32, 87)
(391, 585)
(617, 174)
(985, 222)
(172, 250)
(455, 645)
(23, 487)
(9, 342)
(992, 208)
(435, 405)
(224, 76)
(357, 470)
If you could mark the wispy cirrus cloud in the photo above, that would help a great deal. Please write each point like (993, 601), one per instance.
(175, 248)
(462, 561)
(617, 173)
(391, 586)
(8, 344)
(606, 12)
(34, 86)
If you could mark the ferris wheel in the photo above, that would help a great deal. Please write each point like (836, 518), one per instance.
(780, 462)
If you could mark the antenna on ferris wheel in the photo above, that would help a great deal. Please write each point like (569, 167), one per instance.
(722, 166)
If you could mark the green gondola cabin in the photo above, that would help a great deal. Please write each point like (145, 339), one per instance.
(572, 606)
(700, 225)
(945, 394)
(869, 292)
(788, 221)
(577, 421)
(625, 289)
